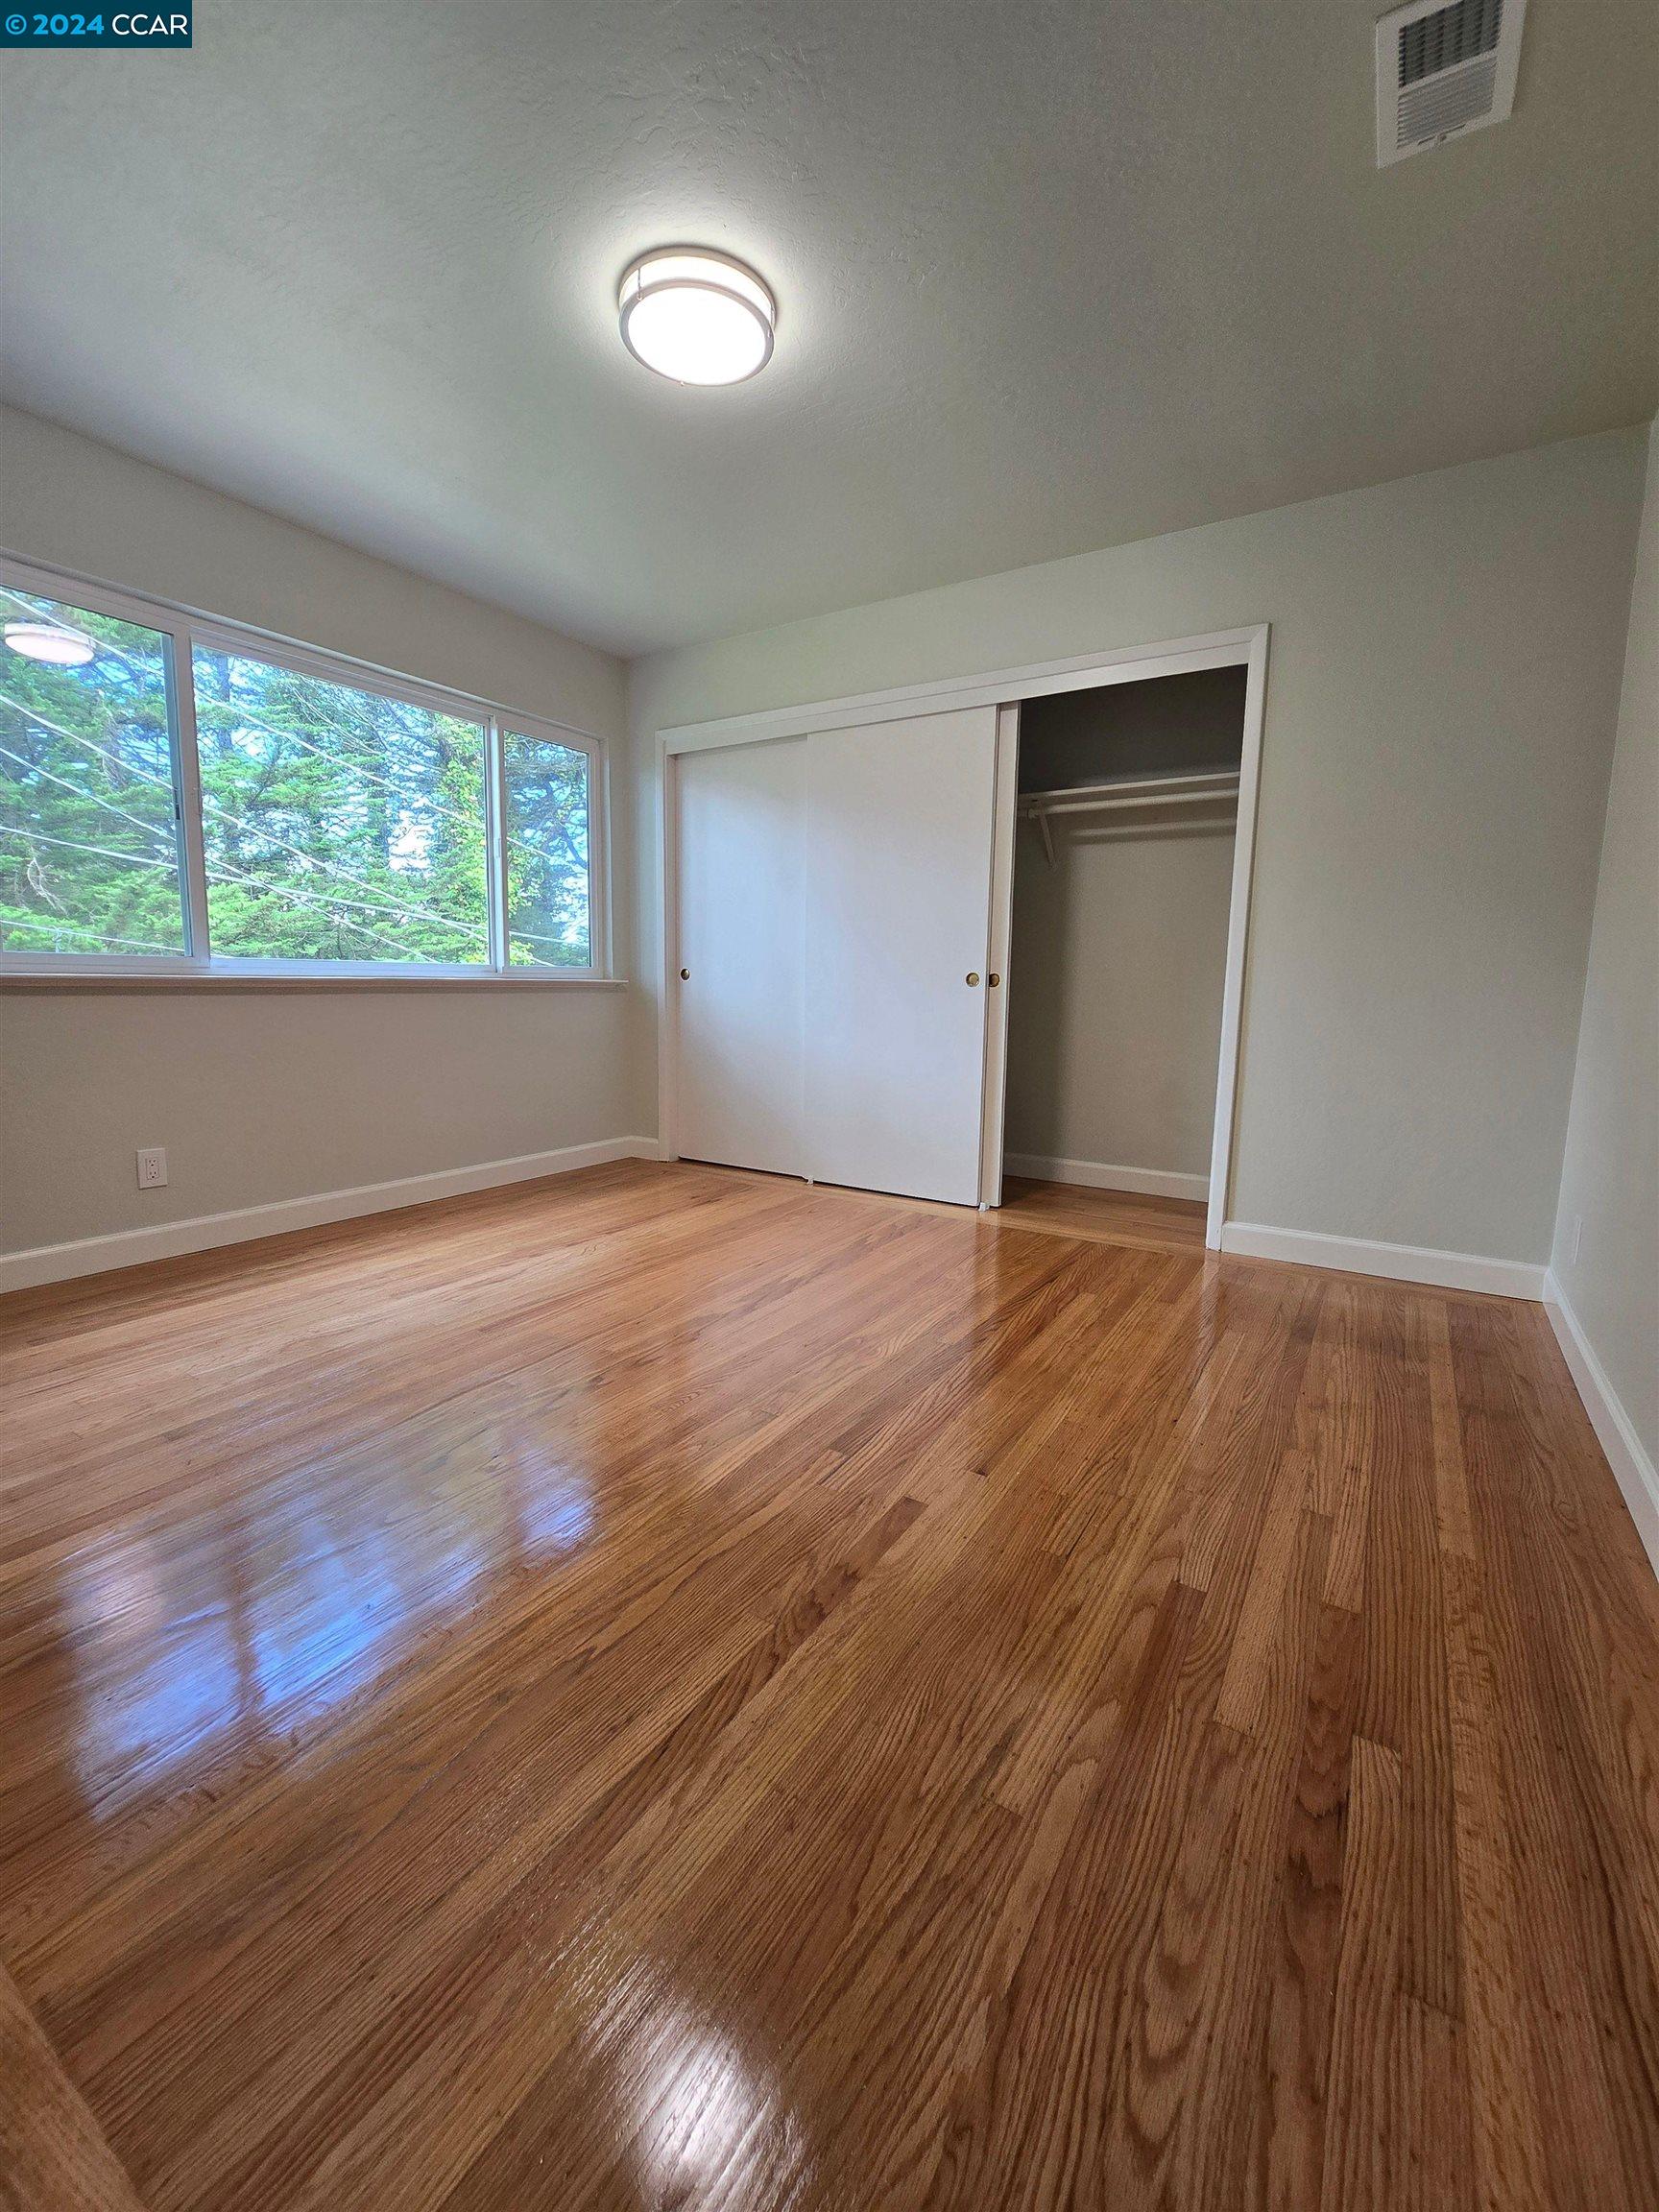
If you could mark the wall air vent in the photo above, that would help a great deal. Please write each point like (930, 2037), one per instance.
(1443, 70)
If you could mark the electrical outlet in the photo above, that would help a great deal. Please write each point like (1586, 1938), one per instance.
(1577, 1237)
(152, 1168)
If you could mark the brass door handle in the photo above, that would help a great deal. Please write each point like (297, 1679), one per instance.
(973, 976)
(993, 979)
(684, 974)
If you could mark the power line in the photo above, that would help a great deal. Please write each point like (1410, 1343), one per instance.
(12, 923)
(210, 804)
(72, 844)
(248, 719)
(254, 830)
(220, 873)
(79, 737)
(34, 768)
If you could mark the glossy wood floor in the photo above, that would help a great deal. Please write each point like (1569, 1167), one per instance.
(670, 1688)
(1111, 1217)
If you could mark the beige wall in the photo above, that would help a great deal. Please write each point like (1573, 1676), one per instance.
(282, 1094)
(1442, 703)
(263, 1098)
(1115, 1010)
(1610, 1176)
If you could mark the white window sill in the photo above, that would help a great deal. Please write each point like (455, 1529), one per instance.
(267, 980)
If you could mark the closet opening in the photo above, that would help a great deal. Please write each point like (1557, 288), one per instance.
(1126, 821)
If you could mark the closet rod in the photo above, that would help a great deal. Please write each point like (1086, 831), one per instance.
(1213, 781)
(1148, 799)
(1113, 798)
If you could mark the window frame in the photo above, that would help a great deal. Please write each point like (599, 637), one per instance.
(185, 629)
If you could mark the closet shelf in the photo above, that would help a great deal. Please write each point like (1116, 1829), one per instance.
(1189, 790)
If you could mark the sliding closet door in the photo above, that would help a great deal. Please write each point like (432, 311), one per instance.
(741, 967)
(897, 899)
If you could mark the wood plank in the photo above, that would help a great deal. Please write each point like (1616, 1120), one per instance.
(1254, 1638)
(1362, 2167)
(53, 2153)
(1456, 1523)
(1288, 2152)
(1402, 1679)
(1511, 2169)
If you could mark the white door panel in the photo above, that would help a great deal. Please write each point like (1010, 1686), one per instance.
(741, 853)
(899, 870)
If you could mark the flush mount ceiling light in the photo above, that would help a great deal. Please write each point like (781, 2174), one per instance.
(696, 316)
(51, 643)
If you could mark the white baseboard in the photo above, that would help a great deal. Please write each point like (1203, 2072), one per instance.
(1633, 1470)
(203, 1231)
(1093, 1175)
(1398, 1263)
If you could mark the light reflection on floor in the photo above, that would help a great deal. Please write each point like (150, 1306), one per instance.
(711, 2123)
(176, 1656)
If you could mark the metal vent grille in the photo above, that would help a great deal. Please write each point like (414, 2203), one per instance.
(1444, 103)
(1453, 34)
(1442, 71)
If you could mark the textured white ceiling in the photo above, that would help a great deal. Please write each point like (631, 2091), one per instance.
(1052, 274)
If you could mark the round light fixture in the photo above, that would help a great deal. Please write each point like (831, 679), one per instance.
(51, 643)
(696, 316)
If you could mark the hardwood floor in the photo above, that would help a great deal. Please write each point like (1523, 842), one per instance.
(670, 1688)
(1110, 1217)
(1055, 1209)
